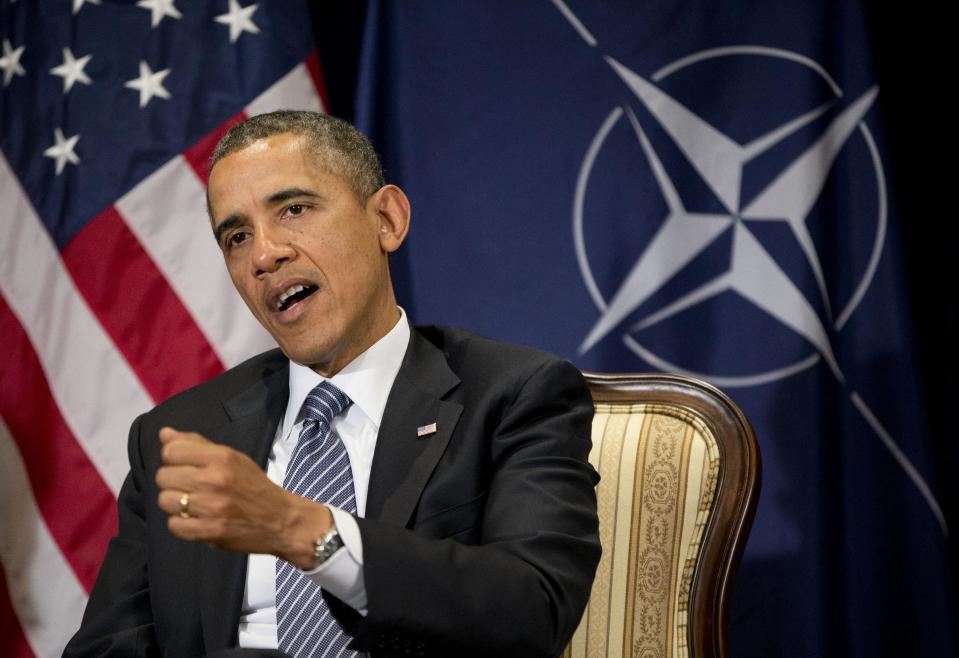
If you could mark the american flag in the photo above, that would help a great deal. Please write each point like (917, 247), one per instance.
(112, 291)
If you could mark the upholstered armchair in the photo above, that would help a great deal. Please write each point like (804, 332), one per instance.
(680, 479)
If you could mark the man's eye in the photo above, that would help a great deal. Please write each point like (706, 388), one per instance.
(296, 209)
(235, 239)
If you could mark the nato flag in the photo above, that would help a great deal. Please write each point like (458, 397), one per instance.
(702, 188)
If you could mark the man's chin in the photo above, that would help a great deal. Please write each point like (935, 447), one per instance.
(314, 359)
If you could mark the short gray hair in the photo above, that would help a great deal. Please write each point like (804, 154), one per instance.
(339, 146)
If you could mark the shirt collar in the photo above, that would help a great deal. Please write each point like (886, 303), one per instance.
(367, 379)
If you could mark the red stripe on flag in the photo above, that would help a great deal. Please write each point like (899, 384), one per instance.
(133, 301)
(13, 643)
(199, 154)
(78, 507)
(316, 73)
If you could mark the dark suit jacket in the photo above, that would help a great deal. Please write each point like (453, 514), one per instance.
(480, 539)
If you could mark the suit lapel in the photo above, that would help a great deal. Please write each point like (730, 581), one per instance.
(403, 461)
(253, 418)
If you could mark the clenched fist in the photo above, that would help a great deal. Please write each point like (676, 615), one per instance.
(231, 502)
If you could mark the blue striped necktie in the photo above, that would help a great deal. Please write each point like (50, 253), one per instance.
(319, 470)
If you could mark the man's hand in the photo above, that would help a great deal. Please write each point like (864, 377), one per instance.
(232, 503)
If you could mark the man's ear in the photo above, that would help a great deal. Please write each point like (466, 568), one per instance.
(392, 209)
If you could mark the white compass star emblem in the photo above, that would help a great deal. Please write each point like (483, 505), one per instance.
(719, 160)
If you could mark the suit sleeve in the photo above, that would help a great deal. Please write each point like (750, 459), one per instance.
(522, 589)
(118, 620)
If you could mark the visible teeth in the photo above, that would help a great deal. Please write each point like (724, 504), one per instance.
(289, 292)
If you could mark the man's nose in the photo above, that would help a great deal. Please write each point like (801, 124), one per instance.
(271, 249)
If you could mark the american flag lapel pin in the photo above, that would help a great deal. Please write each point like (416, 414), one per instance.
(424, 430)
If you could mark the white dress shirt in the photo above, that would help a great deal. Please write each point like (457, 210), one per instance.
(367, 381)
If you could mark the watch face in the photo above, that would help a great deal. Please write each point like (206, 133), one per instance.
(326, 546)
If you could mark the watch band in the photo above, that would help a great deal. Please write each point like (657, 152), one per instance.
(324, 547)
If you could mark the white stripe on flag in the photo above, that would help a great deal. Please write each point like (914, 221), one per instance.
(167, 213)
(44, 591)
(294, 91)
(70, 343)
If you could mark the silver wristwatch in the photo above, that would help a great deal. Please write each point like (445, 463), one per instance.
(324, 547)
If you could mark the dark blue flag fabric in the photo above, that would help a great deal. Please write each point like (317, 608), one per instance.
(701, 188)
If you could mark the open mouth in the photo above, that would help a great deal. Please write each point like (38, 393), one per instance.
(293, 295)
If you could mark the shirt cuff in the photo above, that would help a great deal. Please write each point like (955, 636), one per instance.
(342, 574)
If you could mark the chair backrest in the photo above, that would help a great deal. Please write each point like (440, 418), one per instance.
(680, 480)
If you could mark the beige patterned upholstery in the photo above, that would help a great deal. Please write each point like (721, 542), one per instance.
(680, 478)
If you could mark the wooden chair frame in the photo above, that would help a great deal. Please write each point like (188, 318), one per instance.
(737, 491)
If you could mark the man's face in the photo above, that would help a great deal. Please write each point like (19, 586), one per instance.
(308, 258)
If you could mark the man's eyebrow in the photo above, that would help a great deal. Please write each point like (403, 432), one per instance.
(272, 200)
(290, 193)
(224, 226)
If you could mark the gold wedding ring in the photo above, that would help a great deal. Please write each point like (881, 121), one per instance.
(185, 505)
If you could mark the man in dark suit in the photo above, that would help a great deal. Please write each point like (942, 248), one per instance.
(470, 526)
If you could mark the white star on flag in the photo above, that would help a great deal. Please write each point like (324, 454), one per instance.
(72, 70)
(240, 20)
(10, 62)
(79, 3)
(62, 151)
(159, 9)
(149, 84)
